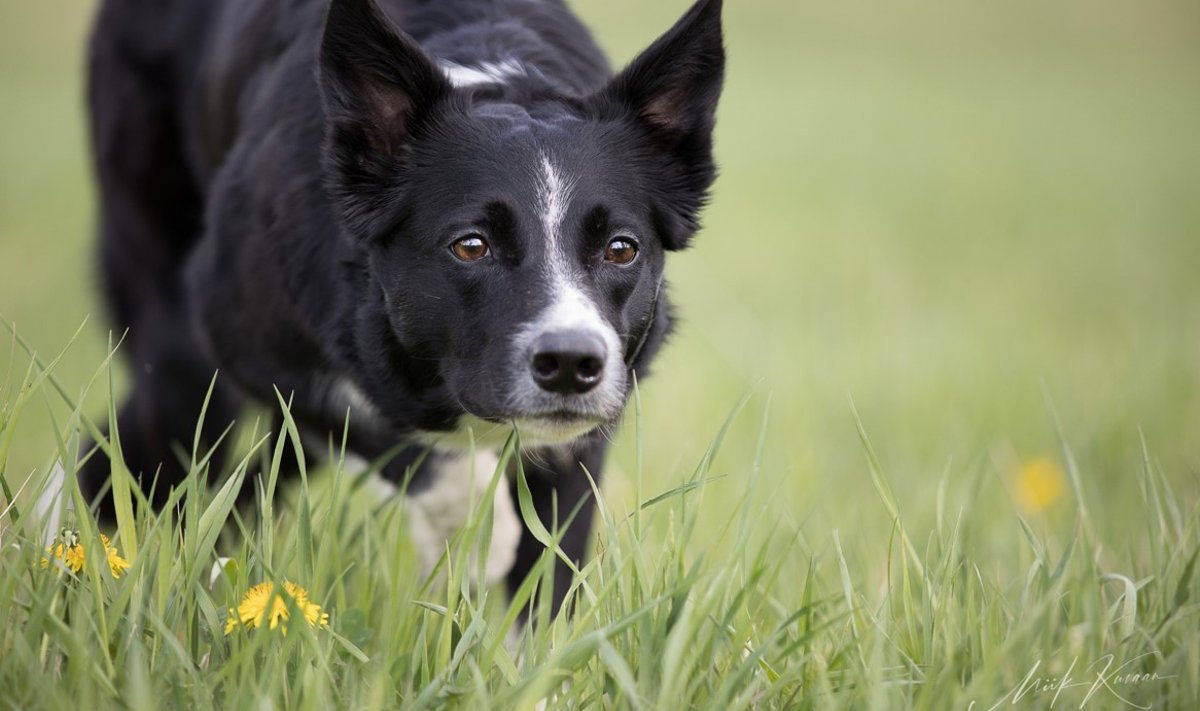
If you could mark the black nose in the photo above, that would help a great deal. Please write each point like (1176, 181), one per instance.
(568, 362)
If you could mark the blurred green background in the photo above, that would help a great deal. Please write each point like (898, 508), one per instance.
(951, 213)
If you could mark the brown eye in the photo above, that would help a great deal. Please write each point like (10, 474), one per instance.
(471, 248)
(620, 251)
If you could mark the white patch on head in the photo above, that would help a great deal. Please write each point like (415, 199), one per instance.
(437, 513)
(554, 195)
(570, 309)
(482, 74)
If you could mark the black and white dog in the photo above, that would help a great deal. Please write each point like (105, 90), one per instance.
(455, 227)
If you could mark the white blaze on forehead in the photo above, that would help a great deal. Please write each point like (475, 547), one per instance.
(481, 74)
(554, 196)
(570, 308)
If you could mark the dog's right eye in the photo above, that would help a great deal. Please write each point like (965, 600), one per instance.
(470, 248)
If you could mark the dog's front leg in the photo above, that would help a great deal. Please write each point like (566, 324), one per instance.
(558, 487)
(442, 488)
(457, 485)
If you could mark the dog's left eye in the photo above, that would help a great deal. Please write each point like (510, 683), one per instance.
(470, 248)
(620, 251)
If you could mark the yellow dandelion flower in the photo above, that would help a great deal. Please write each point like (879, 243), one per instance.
(1039, 484)
(263, 605)
(74, 557)
(116, 563)
(72, 554)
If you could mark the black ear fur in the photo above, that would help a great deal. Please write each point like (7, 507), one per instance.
(675, 83)
(672, 90)
(379, 86)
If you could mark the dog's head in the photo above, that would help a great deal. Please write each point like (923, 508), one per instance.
(518, 244)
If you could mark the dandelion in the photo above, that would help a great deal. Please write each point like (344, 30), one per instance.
(116, 563)
(70, 551)
(262, 604)
(1039, 484)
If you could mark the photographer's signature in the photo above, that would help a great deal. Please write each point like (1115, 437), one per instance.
(1103, 678)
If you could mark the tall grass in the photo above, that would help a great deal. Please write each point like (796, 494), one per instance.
(955, 612)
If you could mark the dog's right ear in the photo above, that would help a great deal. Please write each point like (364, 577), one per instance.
(378, 87)
(377, 82)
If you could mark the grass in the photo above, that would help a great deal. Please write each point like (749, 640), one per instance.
(771, 617)
(949, 241)
(983, 608)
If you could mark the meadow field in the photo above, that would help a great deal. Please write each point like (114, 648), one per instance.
(928, 435)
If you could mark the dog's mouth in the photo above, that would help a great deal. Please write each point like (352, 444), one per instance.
(560, 425)
(557, 427)
(561, 415)
(540, 428)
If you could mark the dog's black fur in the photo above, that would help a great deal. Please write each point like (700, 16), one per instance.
(282, 183)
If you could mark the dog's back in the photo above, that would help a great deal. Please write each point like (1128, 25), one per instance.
(194, 72)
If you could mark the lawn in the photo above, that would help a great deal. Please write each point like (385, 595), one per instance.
(928, 435)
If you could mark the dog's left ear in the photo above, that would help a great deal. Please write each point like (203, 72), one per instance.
(672, 90)
(379, 89)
